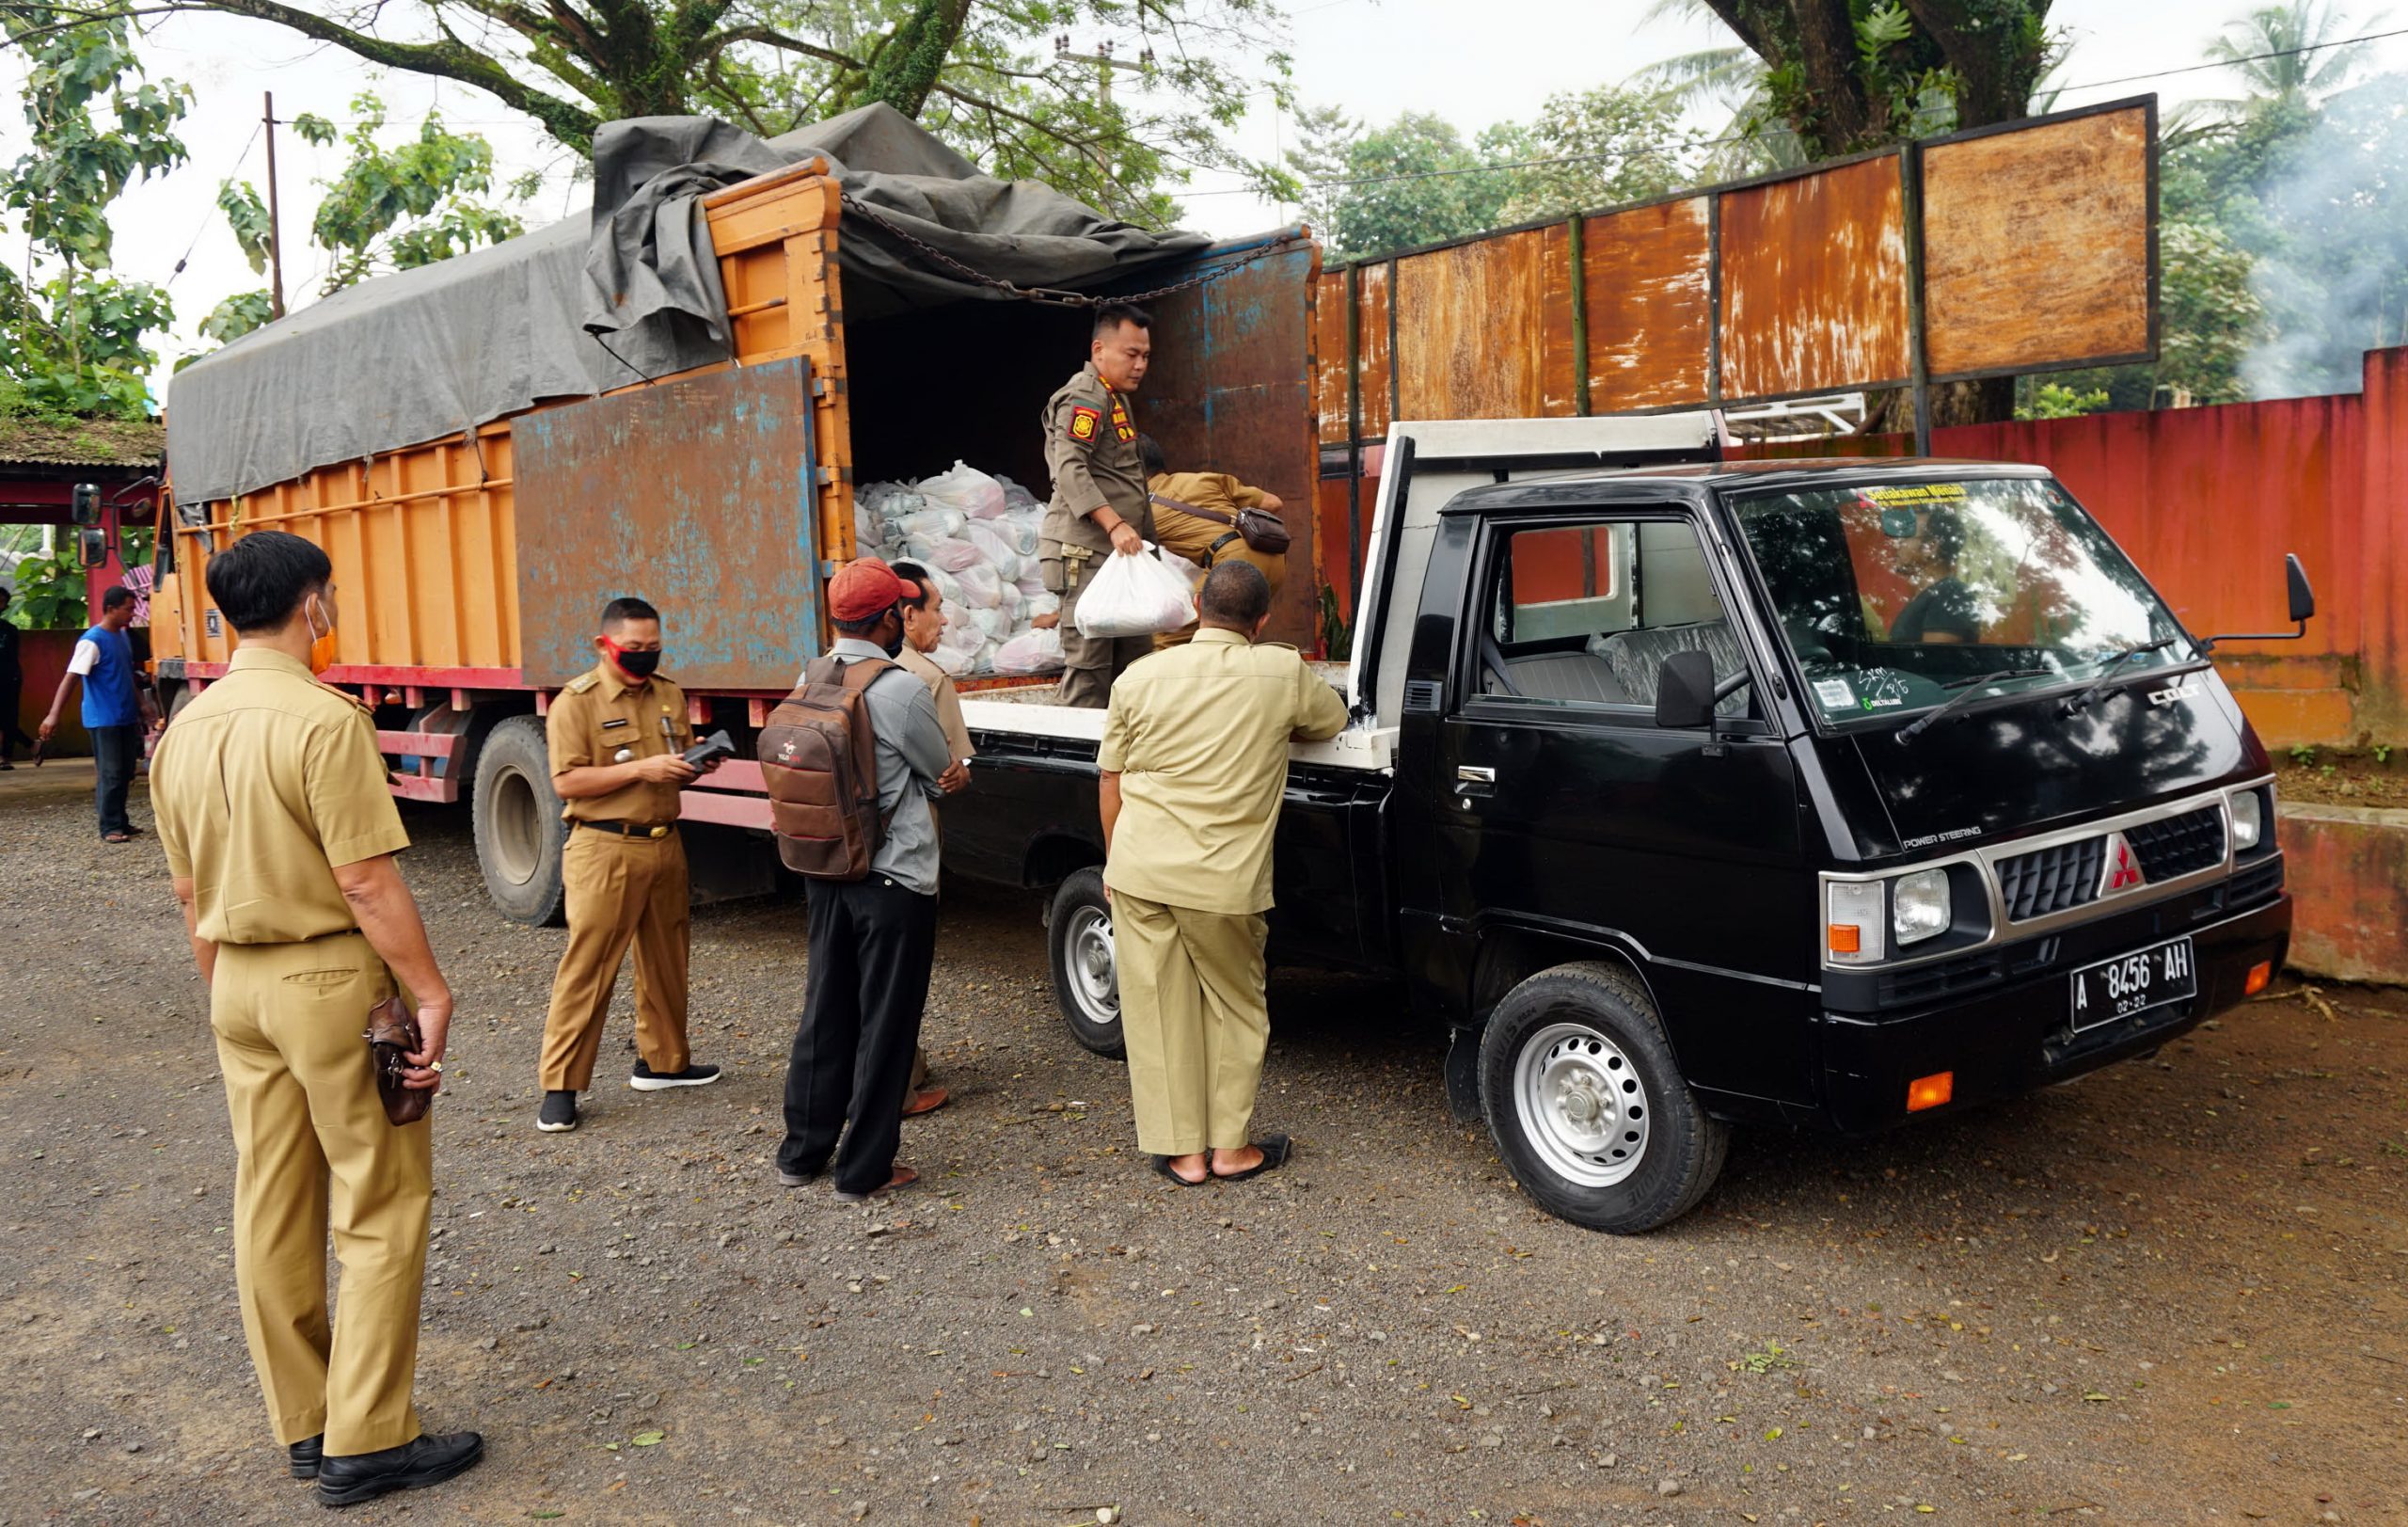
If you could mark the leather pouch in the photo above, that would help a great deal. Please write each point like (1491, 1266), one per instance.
(392, 1034)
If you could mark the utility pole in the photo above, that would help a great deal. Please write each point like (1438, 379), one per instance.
(1102, 58)
(275, 227)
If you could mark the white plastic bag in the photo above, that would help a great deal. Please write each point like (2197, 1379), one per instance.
(965, 488)
(1039, 603)
(954, 556)
(980, 588)
(933, 523)
(1133, 597)
(996, 548)
(1031, 652)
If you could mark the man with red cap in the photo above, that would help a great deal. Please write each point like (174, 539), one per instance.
(873, 941)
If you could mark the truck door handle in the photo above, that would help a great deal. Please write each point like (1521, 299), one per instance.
(1470, 780)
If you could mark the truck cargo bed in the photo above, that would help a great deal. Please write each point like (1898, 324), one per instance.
(1033, 710)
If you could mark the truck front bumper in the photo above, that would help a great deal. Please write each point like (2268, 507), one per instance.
(2014, 1036)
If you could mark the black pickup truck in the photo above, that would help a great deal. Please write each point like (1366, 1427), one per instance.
(1689, 794)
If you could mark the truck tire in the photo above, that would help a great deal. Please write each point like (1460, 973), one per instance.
(518, 818)
(1087, 985)
(1588, 1107)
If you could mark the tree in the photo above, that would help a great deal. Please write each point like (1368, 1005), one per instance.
(1597, 149)
(1413, 182)
(72, 333)
(2288, 56)
(994, 77)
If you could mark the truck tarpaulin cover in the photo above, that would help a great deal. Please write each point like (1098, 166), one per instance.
(426, 352)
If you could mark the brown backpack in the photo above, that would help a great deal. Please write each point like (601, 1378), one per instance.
(819, 762)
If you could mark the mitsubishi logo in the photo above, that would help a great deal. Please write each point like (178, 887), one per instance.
(2123, 871)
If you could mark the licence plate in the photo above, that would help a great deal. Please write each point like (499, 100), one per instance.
(2131, 984)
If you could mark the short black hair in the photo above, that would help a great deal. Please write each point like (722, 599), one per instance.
(1149, 450)
(627, 607)
(913, 573)
(262, 579)
(1235, 594)
(1113, 314)
(117, 594)
(5, 594)
(863, 627)
(1945, 532)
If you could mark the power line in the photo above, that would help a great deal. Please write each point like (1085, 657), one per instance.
(2250, 59)
(209, 216)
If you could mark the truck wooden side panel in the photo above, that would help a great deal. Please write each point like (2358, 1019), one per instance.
(424, 539)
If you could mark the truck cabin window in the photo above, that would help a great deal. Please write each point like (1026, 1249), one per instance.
(1586, 614)
(1896, 595)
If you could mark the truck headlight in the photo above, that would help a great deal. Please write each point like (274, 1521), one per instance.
(2248, 820)
(1919, 906)
(1853, 926)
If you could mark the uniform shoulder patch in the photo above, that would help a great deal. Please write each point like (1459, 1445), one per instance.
(344, 694)
(1085, 421)
(579, 685)
(1276, 646)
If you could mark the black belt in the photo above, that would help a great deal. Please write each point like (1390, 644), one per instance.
(633, 829)
(1214, 550)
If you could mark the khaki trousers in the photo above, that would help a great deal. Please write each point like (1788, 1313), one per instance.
(620, 890)
(1193, 1016)
(317, 1155)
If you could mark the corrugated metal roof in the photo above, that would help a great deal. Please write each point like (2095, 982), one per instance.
(91, 442)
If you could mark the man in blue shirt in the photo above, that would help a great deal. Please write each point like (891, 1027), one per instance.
(115, 712)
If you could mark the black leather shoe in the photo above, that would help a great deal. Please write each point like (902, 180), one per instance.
(349, 1479)
(305, 1455)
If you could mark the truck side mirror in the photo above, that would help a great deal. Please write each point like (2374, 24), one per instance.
(84, 503)
(1684, 690)
(2302, 597)
(92, 547)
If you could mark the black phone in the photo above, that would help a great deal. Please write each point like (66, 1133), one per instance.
(716, 745)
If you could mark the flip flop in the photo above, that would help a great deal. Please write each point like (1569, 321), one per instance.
(1161, 1164)
(1275, 1149)
(927, 1100)
(117, 838)
(904, 1177)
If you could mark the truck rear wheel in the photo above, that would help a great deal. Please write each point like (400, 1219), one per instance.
(519, 831)
(1587, 1105)
(1087, 982)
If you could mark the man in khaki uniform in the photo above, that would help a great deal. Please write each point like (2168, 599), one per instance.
(1194, 760)
(1200, 538)
(1100, 505)
(280, 834)
(616, 736)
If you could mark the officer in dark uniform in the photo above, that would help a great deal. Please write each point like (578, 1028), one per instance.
(1100, 505)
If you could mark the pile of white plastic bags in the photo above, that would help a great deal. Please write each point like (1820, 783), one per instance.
(976, 535)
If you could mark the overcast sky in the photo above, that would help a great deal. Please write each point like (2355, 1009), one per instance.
(1374, 58)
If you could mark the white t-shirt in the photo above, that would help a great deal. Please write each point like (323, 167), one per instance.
(87, 655)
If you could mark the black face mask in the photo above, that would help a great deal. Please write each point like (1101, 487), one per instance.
(893, 644)
(634, 664)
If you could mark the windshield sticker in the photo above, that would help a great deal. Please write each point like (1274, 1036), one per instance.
(1834, 693)
(1884, 689)
(1917, 493)
(2186, 689)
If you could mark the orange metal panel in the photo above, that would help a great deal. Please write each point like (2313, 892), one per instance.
(1815, 282)
(1469, 332)
(1650, 305)
(1375, 365)
(2036, 246)
(1329, 356)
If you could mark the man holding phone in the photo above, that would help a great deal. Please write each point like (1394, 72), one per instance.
(618, 738)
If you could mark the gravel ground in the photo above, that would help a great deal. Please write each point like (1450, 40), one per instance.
(2170, 1291)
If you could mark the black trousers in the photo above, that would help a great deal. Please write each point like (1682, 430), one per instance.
(12, 694)
(873, 942)
(114, 751)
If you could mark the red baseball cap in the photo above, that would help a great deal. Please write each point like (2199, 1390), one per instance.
(864, 589)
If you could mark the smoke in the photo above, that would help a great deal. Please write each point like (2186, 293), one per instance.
(2332, 269)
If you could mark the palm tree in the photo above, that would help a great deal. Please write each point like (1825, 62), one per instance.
(2288, 55)
(1753, 140)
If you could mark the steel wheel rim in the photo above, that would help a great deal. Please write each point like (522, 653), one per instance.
(517, 846)
(1087, 957)
(1581, 1104)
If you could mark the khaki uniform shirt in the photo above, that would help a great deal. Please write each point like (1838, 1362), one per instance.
(597, 720)
(957, 745)
(1199, 734)
(1194, 536)
(1091, 453)
(266, 783)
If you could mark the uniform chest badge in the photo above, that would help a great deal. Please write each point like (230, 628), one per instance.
(1121, 428)
(623, 756)
(1083, 422)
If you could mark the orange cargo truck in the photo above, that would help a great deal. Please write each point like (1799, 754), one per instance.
(471, 568)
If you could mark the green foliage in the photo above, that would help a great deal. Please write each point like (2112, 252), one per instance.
(2302, 755)
(71, 333)
(2051, 399)
(50, 590)
(1336, 637)
(234, 318)
(409, 205)
(247, 218)
(1625, 145)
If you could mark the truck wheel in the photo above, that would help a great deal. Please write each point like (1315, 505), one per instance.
(1087, 985)
(1587, 1105)
(519, 831)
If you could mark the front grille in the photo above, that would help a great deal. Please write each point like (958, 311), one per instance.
(2178, 845)
(2052, 879)
(2252, 886)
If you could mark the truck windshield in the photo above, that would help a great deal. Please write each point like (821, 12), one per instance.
(1894, 595)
